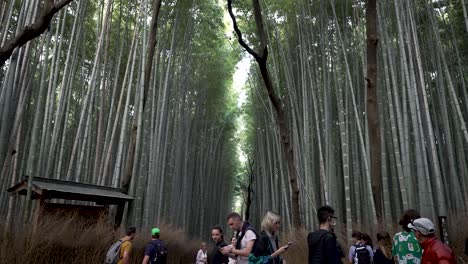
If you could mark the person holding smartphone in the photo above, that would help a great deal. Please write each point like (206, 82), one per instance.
(215, 256)
(269, 239)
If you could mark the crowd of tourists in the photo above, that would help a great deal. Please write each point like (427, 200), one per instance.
(416, 243)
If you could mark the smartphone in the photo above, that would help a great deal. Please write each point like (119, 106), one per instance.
(289, 243)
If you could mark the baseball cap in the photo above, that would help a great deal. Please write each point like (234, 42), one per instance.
(422, 225)
(155, 231)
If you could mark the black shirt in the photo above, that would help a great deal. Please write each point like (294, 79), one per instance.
(268, 248)
(215, 256)
(379, 258)
(323, 248)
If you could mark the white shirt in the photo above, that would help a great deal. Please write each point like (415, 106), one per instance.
(232, 261)
(249, 235)
(201, 257)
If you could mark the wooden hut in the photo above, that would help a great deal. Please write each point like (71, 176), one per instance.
(98, 197)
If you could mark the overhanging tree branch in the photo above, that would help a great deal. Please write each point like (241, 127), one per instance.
(32, 31)
(239, 33)
(151, 48)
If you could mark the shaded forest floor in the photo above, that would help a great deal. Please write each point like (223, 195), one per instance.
(65, 241)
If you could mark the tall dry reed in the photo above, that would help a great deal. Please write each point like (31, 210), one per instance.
(58, 240)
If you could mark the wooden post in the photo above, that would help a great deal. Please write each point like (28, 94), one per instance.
(443, 230)
(37, 214)
(466, 247)
(119, 214)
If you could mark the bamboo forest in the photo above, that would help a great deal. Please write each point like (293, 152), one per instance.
(198, 108)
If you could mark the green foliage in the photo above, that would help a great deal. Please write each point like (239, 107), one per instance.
(214, 62)
(455, 22)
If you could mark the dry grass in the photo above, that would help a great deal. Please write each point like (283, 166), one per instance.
(65, 241)
(59, 241)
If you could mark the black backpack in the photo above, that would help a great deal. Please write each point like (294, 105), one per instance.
(258, 248)
(160, 256)
(361, 254)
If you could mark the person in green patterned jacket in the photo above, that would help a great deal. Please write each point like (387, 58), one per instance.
(406, 248)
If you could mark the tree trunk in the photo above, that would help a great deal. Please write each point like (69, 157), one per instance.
(281, 115)
(250, 176)
(372, 107)
(148, 65)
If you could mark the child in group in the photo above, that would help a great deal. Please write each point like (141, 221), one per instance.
(233, 243)
(202, 258)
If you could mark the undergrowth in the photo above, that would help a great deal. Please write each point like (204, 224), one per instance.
(58, 240)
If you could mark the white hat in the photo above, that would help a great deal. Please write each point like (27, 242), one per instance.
(422, 225)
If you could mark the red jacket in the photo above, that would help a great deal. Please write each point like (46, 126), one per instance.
(436, 252)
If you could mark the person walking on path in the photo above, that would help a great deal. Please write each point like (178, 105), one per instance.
(383, 250)
(406, 248)
(215, 256)
(360, 252)
(268, 238)
(202, 258)
(246, 238)
(156, 251)
(322, 243)
(356, 238)
(126, 246)
(434, 251)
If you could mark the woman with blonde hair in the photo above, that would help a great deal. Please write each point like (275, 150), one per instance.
(383, 251)
(268, 239)
(202, 258)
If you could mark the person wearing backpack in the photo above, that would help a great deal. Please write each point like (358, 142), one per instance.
(355, 237)
(119, 252)
(360, 252)
(246, 239)
(322, 243)
(156, 251)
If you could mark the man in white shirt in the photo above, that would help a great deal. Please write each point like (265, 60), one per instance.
(246, 235)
